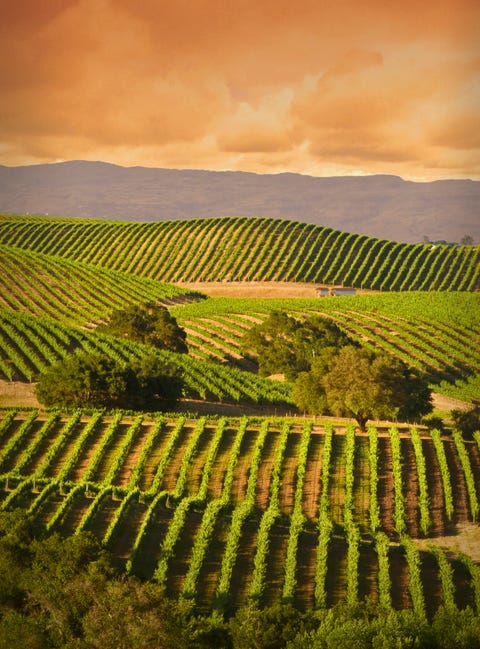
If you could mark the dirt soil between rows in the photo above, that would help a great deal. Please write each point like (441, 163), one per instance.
(17, 394)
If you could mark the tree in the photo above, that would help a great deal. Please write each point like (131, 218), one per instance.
(364, 385)
(272, 627)
(68, 594)
(308, 393)
(467, 421)
(84, 379)
(156, 379)
(466, 240)
(284, 345)
(150, 324)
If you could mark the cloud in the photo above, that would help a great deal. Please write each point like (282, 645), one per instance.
(355, 61)
(461, 133)
(261, 125)
(245, 84)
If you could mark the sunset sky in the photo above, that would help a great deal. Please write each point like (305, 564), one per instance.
(320, 87)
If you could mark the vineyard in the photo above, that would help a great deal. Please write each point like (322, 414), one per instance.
(29, 345)
(226, 511)
(250, 249)
(40, 324)
(74, 292)
(430, 331)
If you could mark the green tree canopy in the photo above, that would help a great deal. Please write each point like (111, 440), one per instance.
(285, 345)
(84, 379)
(365, 385)
(467, 421)
(308, 393)
(150, 324)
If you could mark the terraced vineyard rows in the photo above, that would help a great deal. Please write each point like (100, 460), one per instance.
(223, 511)
(228, 249)
(72, 291)
(28, 345)
(431, 331)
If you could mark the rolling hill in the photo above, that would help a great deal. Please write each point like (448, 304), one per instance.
(249, 249)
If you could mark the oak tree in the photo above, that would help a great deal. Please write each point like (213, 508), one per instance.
(284, 345)
(85, 379)
(365, 385)
(150, 324)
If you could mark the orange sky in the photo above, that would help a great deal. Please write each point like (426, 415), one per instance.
(322, 87)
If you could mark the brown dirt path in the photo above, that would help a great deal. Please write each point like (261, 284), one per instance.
(102, 518)
(173, 467)
(243, 569)
(64, 453)
(16, 393)
(306, 566)
(337, 482)
(313, 472)
(125, 539)
(211, 566)
(461, 512)
(264, 478)
(125, 470)
(109, 453)
(336, 581)
(385, 491)
(410, 488)
(275, 573)
(435, 490)
(151, 461)
(178, 566)
(432, 587)
(289, 474)
(361, 488)
(76, 512)
(147, 558)
(400, 578)
(465, 539)
(242, 468)
(283, 290)
(368, 572)
(219, 468)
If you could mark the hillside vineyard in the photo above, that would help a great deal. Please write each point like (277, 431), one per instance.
(223, 511)
(264, 506)
(248, 249)
(41, 323)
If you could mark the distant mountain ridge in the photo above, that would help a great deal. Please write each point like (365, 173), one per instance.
(380, 206)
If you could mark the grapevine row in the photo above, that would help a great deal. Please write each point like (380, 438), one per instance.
(118, 246)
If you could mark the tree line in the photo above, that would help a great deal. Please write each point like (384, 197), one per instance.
(330, 372)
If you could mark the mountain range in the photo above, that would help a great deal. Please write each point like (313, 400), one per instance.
(382, 206)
